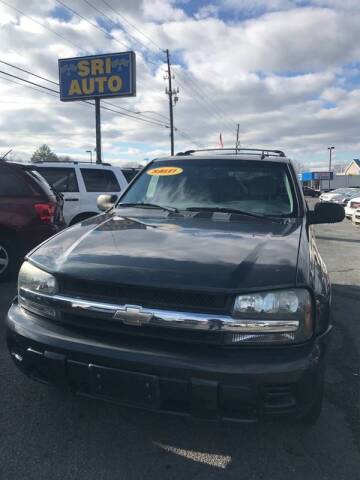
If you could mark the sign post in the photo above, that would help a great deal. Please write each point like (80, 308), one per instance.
(95, 77)
(98, 130)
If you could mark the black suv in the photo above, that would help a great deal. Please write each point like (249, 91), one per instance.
(200, 292)
(311, 192)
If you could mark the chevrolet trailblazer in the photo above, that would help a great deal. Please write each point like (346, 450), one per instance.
(199, 291)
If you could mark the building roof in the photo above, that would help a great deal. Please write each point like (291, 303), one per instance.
(357, 163)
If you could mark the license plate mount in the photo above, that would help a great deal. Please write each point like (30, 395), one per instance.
(126, 387)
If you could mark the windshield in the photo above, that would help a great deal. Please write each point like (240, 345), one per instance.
(261, 187)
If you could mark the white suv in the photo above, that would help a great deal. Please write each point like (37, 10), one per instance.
(81, 183)
(352, 206)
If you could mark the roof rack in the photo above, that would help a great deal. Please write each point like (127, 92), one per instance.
(265, 152)
(76, 162)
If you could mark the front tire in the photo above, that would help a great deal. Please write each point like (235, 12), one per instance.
(8, 258)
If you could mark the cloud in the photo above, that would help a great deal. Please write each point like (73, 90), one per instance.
(162, 10)
(260, 6)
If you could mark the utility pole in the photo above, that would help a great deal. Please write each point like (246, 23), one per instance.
(330, 151)
(98, 130)
(237, 144)
(170, 92)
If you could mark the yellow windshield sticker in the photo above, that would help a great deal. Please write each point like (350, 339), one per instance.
(165, 171)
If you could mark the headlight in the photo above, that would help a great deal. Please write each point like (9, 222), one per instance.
(33, 282)
(283, 316)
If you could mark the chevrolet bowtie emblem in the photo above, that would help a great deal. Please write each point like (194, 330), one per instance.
(133, 315)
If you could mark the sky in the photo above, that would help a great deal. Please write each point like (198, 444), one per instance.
(288, 71)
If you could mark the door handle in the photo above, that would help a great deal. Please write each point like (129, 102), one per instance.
(71, 199)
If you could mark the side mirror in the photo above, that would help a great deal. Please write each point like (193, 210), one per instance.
(104, 202)
(325, 213)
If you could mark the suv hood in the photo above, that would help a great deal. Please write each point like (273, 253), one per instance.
(214, 252)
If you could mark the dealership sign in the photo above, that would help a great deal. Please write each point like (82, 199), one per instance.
(308, 176)
(97, 76)
(323, 175)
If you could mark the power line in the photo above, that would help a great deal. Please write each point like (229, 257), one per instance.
(152, 122)
(57, 93)
(134, 117)
(30, 73)
(28, 81)
(200, 94)
(114, 23)
(92, 23)
(87, 103)
(57, 84)
(197, 95)
(203, 104)
(27, 86)
(202, 100)
(188, 137)
(105, 32)
(41, 24)
(132, 25)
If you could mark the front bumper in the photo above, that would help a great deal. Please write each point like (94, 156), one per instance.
(238, 384)
(349, 211)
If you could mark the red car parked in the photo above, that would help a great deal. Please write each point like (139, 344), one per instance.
(30, 212)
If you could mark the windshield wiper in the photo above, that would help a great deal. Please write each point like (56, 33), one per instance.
(232, 210)
(149, 205)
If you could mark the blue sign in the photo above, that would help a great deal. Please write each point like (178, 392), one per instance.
(306, 176)
(96, 76)
(323, 175)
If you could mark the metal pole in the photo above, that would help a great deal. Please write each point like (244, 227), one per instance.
(170, 93)
(98, 130)
(330, 151)
(237, 138)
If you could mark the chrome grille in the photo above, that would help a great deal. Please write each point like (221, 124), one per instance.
(146, 296)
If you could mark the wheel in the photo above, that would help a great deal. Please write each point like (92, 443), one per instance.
(8, 258)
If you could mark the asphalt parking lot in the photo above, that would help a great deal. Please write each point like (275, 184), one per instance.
(50, 434)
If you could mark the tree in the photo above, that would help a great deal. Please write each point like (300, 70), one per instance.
(44, 154)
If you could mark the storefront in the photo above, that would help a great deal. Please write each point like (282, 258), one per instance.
(315, 179)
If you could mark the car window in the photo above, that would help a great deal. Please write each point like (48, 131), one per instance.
(129, 174)
(13, 185)
(62, 179)
(99, 180)
(255, 186)
(41, 181)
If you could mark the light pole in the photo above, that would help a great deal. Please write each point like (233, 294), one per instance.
(330, 151)
(89, 151)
